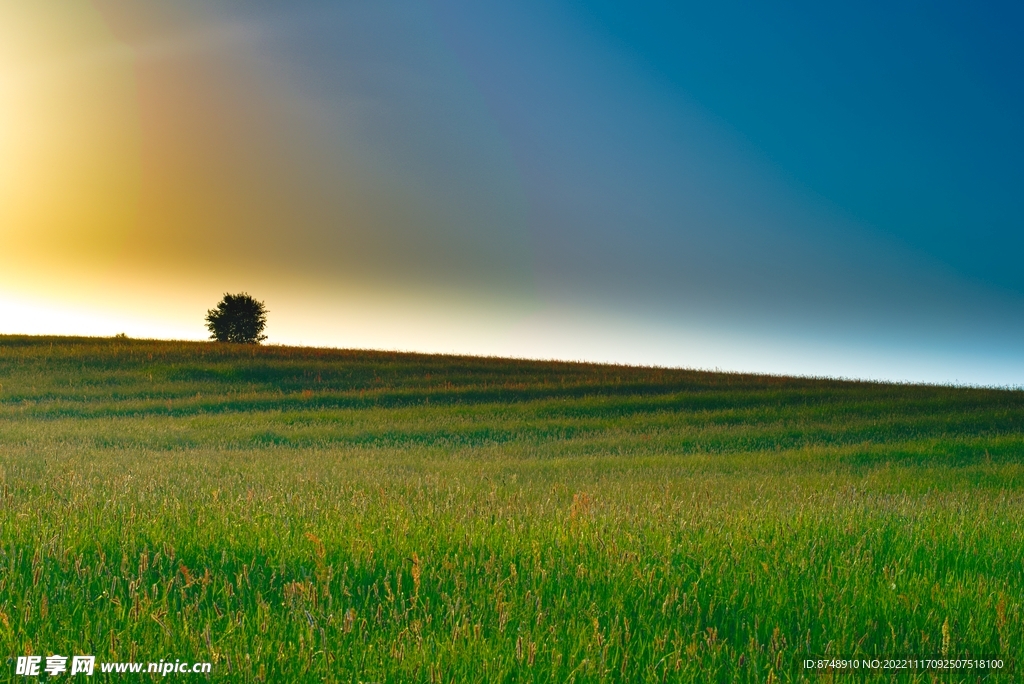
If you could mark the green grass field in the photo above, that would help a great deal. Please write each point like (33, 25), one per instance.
(319, 515)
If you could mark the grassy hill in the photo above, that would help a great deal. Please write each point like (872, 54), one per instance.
(295, 514)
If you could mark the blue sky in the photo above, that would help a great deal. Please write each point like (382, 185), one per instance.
(828, 189)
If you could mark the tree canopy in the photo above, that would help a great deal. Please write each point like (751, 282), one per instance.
(237, 318)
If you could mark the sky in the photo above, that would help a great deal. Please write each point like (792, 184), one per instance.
(829, 189)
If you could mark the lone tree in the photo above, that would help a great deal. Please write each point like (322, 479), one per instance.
(238, 318)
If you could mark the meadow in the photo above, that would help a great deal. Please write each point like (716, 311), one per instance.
(292, 514)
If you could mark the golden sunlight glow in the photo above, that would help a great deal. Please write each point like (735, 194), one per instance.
(71, 140)
(122, 166)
